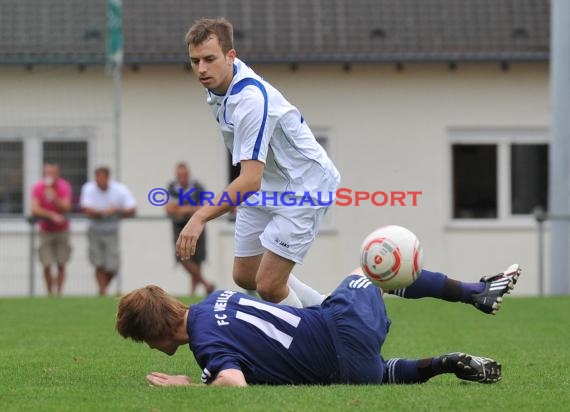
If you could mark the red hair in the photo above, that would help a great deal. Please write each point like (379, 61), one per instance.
(149, 313)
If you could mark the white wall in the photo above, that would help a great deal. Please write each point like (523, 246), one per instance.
(388, 130)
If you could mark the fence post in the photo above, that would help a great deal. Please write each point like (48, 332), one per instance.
(32, 257)
(119, 275)
(540, 217)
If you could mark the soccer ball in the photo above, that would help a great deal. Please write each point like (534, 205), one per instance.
(391, 257)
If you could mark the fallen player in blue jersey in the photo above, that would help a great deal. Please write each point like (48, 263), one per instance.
(239, 340)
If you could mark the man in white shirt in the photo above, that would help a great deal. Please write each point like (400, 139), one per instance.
(105, 202)
(280, 160)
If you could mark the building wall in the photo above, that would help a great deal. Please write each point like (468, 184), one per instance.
(388, 130)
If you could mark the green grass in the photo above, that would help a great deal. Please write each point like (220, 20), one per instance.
(63, 354)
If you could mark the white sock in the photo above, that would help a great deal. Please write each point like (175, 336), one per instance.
(292, 300)
(306, 294)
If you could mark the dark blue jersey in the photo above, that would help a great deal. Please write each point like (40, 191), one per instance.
(270, 344)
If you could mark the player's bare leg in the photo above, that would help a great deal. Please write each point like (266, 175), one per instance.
(245, 270)
(195, 271)
(104, 278)
(60, 278)
(100, 278)
(108, 278)
(193, 278)
(193, 283)
(271, 279)
(48, 279)
(268, 274)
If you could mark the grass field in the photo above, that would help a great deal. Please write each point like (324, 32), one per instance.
(63, 354)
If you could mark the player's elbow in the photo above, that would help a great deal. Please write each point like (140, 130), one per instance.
(248, 183)
(230, 377)
(254, 184)
(230, 383)
(251, 174)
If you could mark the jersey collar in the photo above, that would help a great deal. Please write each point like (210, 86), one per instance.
(222, 95)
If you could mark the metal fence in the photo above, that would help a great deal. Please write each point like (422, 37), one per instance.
(146, 236)
(21, 272)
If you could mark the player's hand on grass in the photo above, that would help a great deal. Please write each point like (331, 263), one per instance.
(186, 243)
(162, 379)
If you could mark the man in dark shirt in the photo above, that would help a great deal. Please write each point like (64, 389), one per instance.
(180, 214)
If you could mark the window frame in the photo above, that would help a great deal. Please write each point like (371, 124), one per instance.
(16, 139)
(33, 139)
(503, 138)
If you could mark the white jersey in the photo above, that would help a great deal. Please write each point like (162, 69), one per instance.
(258, 123)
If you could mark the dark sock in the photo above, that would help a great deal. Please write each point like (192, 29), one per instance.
(428, 284)
(437, 285)
(412, 370)
(470, 289)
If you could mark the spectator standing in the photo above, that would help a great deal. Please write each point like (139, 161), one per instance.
(51, 201)
(180, 212)
(105, 202)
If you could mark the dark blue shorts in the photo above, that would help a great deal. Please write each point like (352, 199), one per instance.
(356, 316)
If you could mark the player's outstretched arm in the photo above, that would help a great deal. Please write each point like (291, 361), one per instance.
(162, 379)
(227, 377)
(230, 377)
(248, 181)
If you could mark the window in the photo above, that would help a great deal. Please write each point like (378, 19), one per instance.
(22, 160)
(11, 177)
(498, 175)
(529, 177)
(475, 181)
(72, 159)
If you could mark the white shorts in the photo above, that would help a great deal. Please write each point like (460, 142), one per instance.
(286, 231)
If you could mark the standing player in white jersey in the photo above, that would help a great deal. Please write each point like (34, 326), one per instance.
(280, 160)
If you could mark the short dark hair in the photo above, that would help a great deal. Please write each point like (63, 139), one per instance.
(182, 165)
(203, 28)
(103, 169)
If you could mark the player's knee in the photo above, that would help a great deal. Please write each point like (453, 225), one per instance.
(272, 291)
(269, 295)
(245, 281)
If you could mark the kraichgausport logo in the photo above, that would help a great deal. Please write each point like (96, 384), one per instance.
(342, 197)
